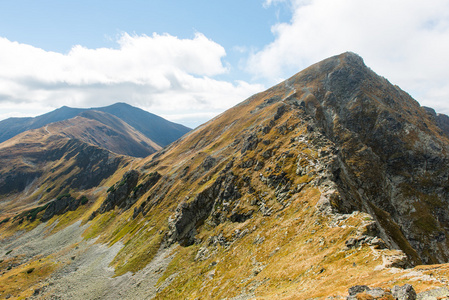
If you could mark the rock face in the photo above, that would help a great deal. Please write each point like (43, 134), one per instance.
(443, 123)
(126, 192)
(190, 214)
(405, 292)
(392, 159)
(62, 205)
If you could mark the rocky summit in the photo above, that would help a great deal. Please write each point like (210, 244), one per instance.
(333, 184)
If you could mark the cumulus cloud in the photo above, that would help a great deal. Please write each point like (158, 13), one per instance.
(160, 73)
(405, 41)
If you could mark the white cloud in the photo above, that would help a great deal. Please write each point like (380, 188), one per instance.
(267, 3)
(405, 41)
(161, 73)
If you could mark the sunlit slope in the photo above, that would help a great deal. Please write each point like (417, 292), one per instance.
(323, 139)
(106, 131)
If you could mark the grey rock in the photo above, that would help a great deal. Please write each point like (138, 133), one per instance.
(354, 290)
(443, 123)
(208, 163)
(250, 143)
(405, 292)
(376, 292)
(434, 294)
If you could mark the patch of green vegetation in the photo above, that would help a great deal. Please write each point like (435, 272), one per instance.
(5, 220)
(124, 228)
(66, 195)
(84, 200)
(9, 252)
(137, 187)
(31, 214)
(68, 218)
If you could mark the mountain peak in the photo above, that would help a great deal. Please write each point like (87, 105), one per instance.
(352, 58)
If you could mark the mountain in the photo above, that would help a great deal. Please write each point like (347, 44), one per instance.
(155, 128)
(106, 131)
(334, 179)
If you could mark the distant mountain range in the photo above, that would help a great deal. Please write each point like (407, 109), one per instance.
(155, 128)
(73, 148)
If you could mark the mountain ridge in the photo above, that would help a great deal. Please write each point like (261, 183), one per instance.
(145, 122)
(330, 179)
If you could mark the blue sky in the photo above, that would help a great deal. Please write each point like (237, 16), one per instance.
(190, 60)
(58, 25)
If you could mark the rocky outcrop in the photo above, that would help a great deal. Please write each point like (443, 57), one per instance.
(17, 180)
(405, 292)
(441, 120)
(62, 205)
(59, 206)
(94, 164)
(119, 193)
(126, 192)
(214, 201)
(443, 123)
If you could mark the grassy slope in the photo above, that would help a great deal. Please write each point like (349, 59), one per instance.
(301, 255)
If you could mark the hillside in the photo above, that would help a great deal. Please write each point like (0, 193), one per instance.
(155, 128)
(105, 131)
(42, 164)
(330, 179)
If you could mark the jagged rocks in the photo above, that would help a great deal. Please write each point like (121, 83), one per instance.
(120, 192)
(62, 205)
(357, 289)
(126, 192)
(385, 140)
(59, 206)
(368, 240)
(405, 292)
(250, 143)
(208, 163)
(368, 234)
(214, 201)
